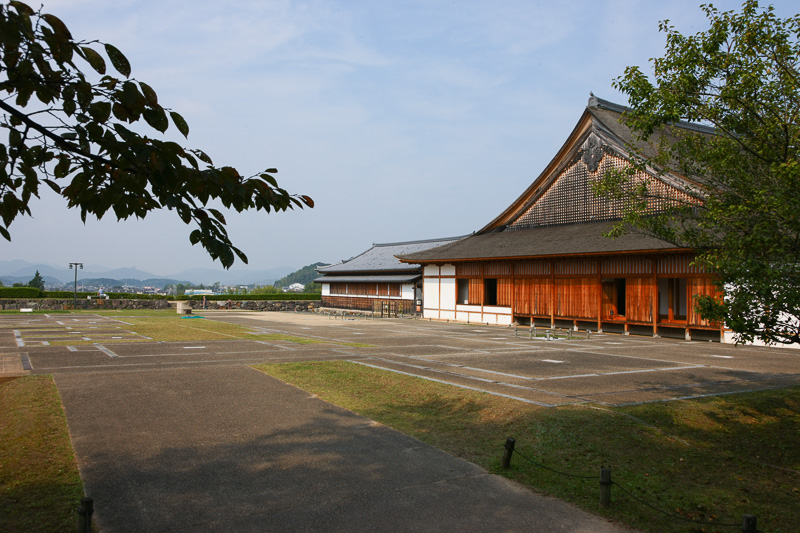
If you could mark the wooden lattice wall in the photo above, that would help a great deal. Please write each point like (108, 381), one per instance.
(570, 199)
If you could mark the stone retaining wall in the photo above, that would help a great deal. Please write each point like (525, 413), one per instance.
(259, 305)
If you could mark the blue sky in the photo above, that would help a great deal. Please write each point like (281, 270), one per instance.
(403, 120)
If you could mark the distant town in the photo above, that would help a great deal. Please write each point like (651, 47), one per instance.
(299, 281)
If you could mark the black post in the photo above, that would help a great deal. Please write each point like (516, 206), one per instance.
(85, 515)
(749, 524)
(75, 292)
(605, 487)
(509, 446)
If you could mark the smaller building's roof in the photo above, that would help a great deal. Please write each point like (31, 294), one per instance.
(380, 259)
(389, 278)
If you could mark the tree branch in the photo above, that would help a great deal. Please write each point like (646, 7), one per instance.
(60, 141)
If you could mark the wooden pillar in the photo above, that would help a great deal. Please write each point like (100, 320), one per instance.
(439, 283)
(513, 290)
(552, 294)
(654, 293)
(599, 294)
(483, 290)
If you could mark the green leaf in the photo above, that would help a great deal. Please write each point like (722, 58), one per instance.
(132, 98)
(58, 27)
(22, 8)
(182, 126)
(94, 59)
(203, 156)
(100, 111)
(150, 95)
(119, 61)
(53, 185)
(217, 215)
(84, 91)
(62, 167)
(269, 179)
(157, 118)
(120, 112)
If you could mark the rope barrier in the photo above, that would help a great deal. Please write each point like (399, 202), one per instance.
(623, 489)
(540, 465)
(667, 513)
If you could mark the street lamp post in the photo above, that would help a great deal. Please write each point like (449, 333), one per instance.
(75, 293)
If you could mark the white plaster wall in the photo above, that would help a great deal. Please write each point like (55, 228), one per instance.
(407, 291)
(504, 320)
(430, 297)
(448, 270)
(448, 294)
(430, 270)
(497, 315)
(326, 289)
(727, 337)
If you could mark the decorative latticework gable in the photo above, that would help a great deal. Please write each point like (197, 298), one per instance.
(570, 198)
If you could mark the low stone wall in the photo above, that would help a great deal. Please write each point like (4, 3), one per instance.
(259, 305)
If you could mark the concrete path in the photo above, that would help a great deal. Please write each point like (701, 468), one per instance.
(231, 449)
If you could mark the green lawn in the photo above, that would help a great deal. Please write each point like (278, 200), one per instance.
(40, 487)
(710, 460)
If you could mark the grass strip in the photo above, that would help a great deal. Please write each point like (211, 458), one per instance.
(40, 486)
(709, 460)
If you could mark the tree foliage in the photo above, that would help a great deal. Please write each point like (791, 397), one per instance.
(66, 120)
(305, 275)
(740, 77)
(37, 281)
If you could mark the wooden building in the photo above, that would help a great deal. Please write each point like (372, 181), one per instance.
(545, 261)
(376, 280)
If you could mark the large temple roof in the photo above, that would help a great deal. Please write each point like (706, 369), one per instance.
(559, 214)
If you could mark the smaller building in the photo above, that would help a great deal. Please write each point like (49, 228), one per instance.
(376, 280)
(295, 287)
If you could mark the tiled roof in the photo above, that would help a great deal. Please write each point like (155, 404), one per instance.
(545, 241)
(389, 278)
(381, 258)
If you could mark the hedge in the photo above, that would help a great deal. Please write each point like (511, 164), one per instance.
(20, 292)
(65, 294)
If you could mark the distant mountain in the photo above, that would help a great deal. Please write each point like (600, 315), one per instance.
(49, 281)
(129, 273)
(129, 282)
(17, 271)
(210, 276)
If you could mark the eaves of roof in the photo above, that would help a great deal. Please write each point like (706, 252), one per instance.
(541, 242)
(406, 278)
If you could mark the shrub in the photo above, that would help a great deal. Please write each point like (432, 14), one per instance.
(64, 294)
(20, 292)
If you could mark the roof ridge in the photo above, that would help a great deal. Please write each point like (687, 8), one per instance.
(595, 101)
(599, 103)
(422, 241)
